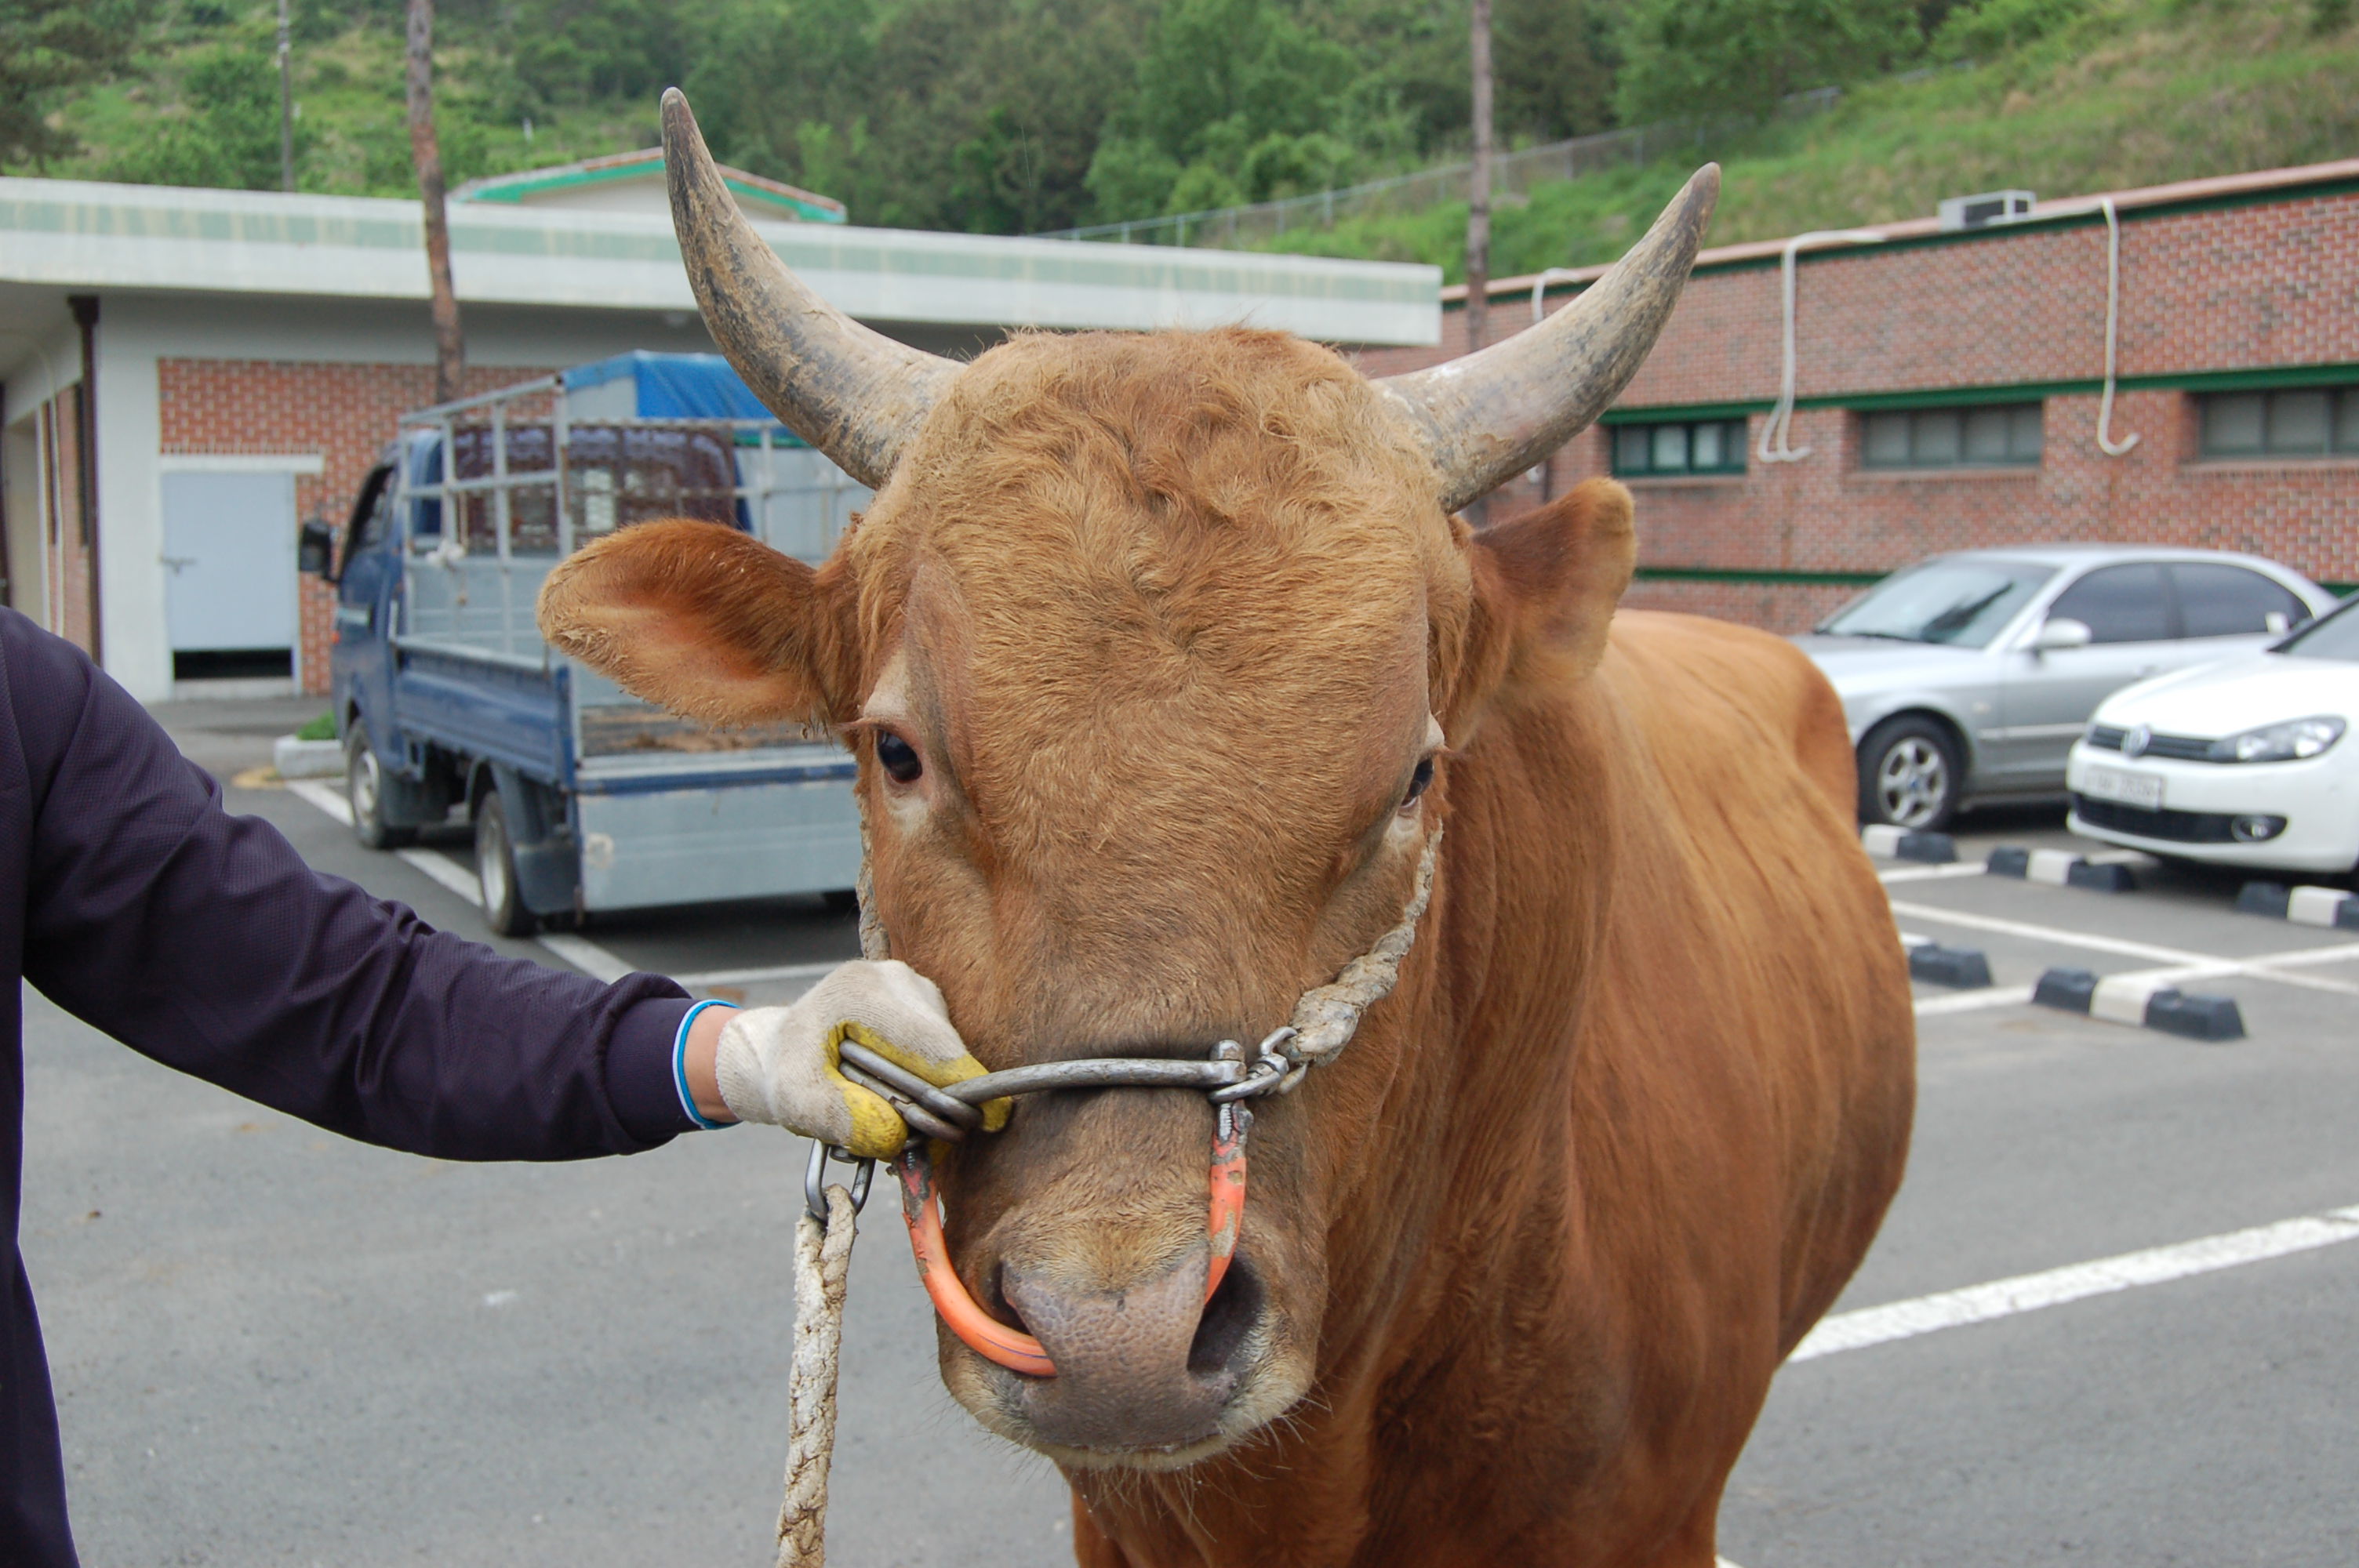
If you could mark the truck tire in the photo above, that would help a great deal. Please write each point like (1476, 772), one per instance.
(1910, 773)
(364, 793)
(496, 871)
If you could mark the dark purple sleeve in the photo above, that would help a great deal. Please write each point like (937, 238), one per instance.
(203, 940)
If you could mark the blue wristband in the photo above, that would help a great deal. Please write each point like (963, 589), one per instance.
(679, 1065)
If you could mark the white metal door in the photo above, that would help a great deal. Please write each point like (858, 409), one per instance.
(229, 561)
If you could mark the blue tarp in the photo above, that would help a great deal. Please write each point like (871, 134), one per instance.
(679, 386)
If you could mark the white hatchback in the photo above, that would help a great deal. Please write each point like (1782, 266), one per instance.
(2248, 761)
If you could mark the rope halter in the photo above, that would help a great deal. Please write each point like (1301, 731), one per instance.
(1324, 1022)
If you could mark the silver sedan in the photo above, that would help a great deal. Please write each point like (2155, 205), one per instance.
(1968, 677)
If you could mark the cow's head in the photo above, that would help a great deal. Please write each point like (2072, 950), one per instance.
(1151, 649)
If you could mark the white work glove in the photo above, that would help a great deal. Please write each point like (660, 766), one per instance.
(780, 1065)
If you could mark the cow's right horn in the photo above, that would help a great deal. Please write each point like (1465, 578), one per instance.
(1496, 411)
(855, 394)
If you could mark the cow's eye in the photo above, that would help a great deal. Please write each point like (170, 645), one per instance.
(898, 759)
(1417, 782)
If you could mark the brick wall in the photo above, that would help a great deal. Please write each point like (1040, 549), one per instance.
(2268, 287)
(346, 413)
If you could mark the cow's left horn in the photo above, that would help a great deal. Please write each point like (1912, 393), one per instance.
(855, 394)
(1488, 414)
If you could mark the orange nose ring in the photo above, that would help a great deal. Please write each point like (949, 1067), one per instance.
(1013, 1348)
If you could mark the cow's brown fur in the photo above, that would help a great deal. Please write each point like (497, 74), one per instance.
(1165, 617)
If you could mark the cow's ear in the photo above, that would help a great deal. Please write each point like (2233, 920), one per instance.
(714, 625)
(1545, 587)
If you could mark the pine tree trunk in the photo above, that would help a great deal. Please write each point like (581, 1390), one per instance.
(450, 347)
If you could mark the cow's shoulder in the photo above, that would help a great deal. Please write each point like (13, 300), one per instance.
(1703, 687)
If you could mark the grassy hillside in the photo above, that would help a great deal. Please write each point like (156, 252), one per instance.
(204, 110)
(2130, 92)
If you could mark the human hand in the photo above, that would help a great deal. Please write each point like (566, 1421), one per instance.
(781, 1064)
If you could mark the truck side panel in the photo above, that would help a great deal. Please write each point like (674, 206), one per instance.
(471, 705)
(747, 841)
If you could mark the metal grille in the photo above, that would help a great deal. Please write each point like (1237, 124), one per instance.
(2177, 748)
(2178, 826)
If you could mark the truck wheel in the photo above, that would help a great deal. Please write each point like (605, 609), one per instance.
(496, 872)
(364, 793)
(1910, 774)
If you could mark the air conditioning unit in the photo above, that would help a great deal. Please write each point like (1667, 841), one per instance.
(1990, 206)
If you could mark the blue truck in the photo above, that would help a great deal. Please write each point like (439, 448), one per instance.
(581, 798)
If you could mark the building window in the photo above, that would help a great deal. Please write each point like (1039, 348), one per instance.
(1678, 446)
(2307, 422)
(1998, 435)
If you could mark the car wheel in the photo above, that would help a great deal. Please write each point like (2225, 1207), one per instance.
(364, 793)
(1910, 774)
(496, 872)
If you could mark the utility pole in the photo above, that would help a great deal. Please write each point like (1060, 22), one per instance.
(286, 102)
(450, 347)
(1478, 195)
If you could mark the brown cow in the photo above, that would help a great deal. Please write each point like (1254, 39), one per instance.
(1176, 658)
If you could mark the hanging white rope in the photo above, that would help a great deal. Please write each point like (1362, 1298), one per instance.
(822, 1260)
(2106, 442)
(1775, 445)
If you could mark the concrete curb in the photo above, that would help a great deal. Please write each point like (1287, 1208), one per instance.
(308, 759)
(2061, 868)
(2329, 907)
(1961, 968)
(1898, 844)
(2142, 1000)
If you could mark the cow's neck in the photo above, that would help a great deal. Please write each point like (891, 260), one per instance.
(1451, 1208)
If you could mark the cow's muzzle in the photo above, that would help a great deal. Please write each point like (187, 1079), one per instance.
(1152, 1368)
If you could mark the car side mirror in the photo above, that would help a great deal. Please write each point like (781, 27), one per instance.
(315, 555)
(2061, 632)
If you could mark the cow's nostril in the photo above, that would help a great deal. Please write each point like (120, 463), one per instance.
(995, 1302)
(1228, 1318)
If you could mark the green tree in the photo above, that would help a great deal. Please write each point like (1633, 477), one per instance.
(228, 135)
(1556, 67)
(1236, 100)
(1693, 59)
(48, 47)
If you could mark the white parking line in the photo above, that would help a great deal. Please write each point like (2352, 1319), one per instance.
(326, 798)
(578, 951)
(2054, 1287)
(1932, 873)
(2047, 934)
(587, 957)
(447, 872)
(1975, 1002)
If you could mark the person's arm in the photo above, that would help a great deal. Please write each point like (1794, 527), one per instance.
(203, 940)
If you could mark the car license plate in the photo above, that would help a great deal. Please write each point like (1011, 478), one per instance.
(2143, 791)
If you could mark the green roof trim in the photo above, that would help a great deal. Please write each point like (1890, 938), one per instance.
(1739, 574)
(515, 189)
(2263, 378)
(1663, 412)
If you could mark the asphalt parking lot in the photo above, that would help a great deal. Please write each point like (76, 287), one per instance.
(273, 1346)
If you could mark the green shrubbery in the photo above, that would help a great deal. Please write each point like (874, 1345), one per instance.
(1008, 116)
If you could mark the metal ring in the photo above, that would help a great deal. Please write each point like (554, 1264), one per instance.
(925, 1122)
(815, 1175)
(909, 1085)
